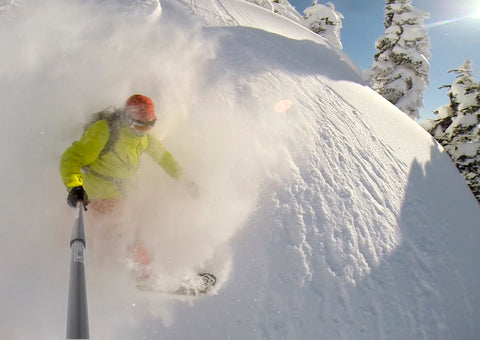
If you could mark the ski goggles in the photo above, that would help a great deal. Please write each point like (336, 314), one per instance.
(140, 123)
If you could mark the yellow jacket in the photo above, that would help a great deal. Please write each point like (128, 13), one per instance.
(104, 175)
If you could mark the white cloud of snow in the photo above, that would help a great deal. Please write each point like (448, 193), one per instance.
(320, 203)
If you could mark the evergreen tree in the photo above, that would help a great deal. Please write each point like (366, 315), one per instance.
(400, 70)
(325, 21)
(458, 126)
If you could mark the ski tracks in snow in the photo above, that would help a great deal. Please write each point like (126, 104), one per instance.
(333, 202)
(350, 184)
(219, 16)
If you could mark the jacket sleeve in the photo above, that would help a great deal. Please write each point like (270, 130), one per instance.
(82, 153)
(157, 151)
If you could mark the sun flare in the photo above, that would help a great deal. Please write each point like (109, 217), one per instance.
(476, 13)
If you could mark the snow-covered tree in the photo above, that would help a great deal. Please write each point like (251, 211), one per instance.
(324, 20)
(400, 71)
(457, 127)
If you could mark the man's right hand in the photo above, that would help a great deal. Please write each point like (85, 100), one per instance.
(77, 194)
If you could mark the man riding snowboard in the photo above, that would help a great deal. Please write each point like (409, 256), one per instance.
(98, 168)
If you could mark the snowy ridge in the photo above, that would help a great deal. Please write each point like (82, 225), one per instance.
(242, 13)
(324, 211)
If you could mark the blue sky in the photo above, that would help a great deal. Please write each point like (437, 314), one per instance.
(453, 27)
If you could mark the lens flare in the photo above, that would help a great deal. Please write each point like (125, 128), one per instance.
(444, 22)
(474, 15)
(282, 105)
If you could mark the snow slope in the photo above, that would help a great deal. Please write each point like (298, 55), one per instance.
(325, 211)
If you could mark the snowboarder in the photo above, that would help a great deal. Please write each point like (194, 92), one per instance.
(97, 169)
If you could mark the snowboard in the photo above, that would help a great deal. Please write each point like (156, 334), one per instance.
(201, 284)
(146, 279)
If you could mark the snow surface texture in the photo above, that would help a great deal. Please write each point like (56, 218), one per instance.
(325, 211)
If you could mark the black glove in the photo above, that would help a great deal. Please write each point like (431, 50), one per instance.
(77, 194)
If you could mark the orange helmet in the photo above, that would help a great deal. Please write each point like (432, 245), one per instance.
(140, 112)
